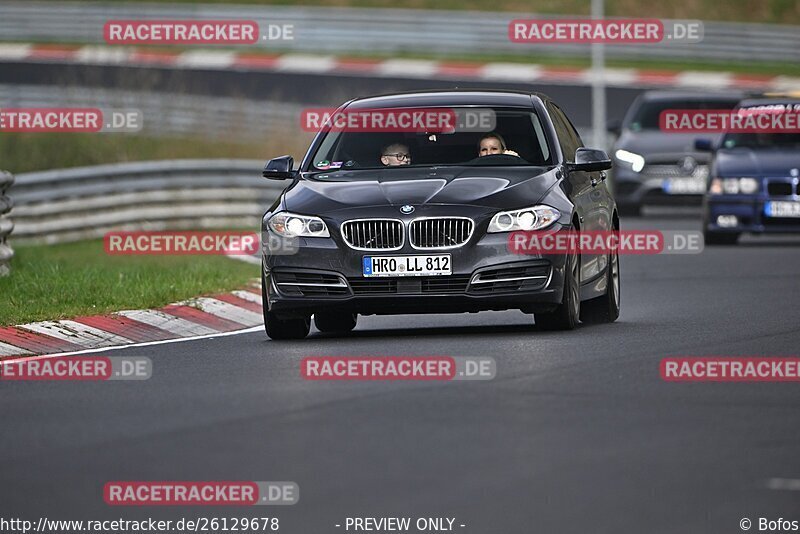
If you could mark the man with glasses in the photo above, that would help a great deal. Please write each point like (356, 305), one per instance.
(395, 154)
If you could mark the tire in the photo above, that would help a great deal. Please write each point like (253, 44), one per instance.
(335, 322)
(278, 327)
(567, 313)
(720, 238)
(630, 210)
(605, 309)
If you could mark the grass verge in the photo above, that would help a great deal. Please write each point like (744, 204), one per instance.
(24, 152)
(49, 282)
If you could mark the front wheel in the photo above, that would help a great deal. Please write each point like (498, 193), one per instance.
(336, 323)
(567, 313)
(278, 327)
(720, 238)
(605, 309)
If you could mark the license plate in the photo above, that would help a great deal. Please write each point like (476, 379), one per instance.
(685, 186)
(434, 265)
(780, 208)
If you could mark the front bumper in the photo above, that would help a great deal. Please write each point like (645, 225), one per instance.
(636, 189)
(324, 274)
(749, 213)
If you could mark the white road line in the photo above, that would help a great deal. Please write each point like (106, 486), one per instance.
(77, 333)
(407, 67)
(206, 58)
(622, 77)
(691, 78)
(170, 323)
(786, 83)
(143, 344)
(248, 295)
(15, 51)
(784, 484)
(511, 71)
(229, 311)
(102, 55)
(11, 350)
(306, 63)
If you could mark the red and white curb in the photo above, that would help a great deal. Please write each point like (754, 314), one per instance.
(404, 68)
(203, 316)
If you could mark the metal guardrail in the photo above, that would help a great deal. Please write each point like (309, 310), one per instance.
(6, 225)
(86, 202)
(341, 30)
(164, 114)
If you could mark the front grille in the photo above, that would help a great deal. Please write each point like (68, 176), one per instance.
(527, 277)
(674, 171)
(779, 189)
(440, 232)
(373, 234)
(409, 285)
(301, 284)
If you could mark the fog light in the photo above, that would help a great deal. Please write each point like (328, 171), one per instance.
(727, 221)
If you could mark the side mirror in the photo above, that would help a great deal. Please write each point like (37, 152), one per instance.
(279, 168)
(590, 159)
(614, 126)
(703, 145)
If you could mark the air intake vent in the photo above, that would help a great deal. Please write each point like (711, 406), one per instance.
(306, 284)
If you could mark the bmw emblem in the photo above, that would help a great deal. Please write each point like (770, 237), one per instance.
(407, 209)
(688, 164)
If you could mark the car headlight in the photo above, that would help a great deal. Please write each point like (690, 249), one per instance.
(733, 186)
(287, 224)
(534, 218)
(636, 161)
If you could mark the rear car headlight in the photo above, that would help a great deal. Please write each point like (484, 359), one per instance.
(733, 186)
(534, 218)
(287, 224)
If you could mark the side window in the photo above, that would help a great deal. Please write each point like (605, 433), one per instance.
(565, 138)
(573, 132)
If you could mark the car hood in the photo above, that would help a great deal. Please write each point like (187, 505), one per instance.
(649, 143)
(476, 186)
(768, 161)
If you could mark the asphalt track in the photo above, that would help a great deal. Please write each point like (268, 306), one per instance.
(577, 433)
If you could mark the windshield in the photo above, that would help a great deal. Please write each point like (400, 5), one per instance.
(517, 138)
(765, 139)
(646, 117)
(761, 140)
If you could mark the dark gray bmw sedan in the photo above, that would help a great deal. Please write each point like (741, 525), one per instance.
(419, 221)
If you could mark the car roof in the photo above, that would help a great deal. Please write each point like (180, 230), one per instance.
(651, 96)
(454, 97)
(767, 101)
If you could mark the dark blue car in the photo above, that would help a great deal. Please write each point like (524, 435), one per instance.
(754, 183)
